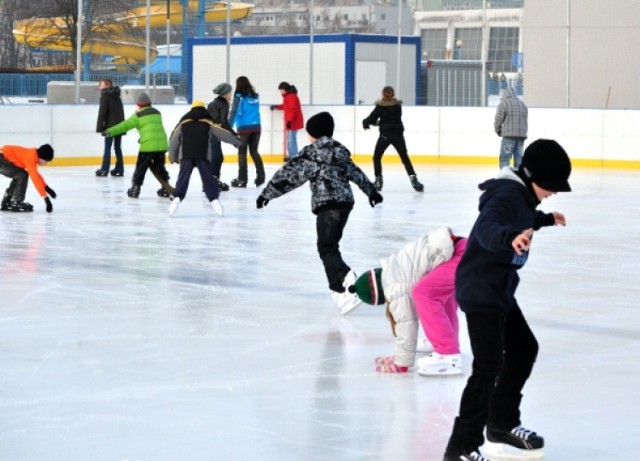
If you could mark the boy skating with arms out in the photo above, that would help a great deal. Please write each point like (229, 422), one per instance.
(328, 167)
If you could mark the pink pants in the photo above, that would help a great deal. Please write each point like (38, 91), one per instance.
(436, 306)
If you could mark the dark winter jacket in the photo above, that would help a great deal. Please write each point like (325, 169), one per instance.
(219, 111)
(111, 111)
(328, 167)
(387, 115)
(191, 138)
(487, 278)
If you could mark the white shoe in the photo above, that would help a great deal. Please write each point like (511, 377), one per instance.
(217, 206)
(436, 364)
(174, 205)
(346, 301)
(423, 346)
(349, 279)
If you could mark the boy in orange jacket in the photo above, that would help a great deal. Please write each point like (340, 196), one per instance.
(20, 164)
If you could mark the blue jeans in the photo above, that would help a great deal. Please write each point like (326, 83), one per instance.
(292, 143)
(106, 155)
(511, 147)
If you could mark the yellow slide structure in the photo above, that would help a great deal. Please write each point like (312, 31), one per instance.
(110, 32)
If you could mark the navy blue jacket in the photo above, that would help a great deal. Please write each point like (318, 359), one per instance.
(487, 278)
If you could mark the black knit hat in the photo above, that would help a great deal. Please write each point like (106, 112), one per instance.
(320, 125)
(284, 86)
(547, 165)
(45, 152)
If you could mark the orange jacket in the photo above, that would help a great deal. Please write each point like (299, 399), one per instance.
(27, 159)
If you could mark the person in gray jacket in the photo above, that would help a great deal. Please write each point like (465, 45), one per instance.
(511, 124)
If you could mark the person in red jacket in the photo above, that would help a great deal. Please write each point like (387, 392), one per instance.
(293, 118)
(20, 164)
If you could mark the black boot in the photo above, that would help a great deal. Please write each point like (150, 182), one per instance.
(259, 181)
(378, 183)
(221, 185)
(417, 185)
(134, 192)
(5, 202)
(162, 193)
(20, 206)
(238, 183)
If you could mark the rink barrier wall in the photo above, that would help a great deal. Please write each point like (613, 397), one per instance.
(434, 135)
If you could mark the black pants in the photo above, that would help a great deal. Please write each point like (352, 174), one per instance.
(397, 141)
(153, 161)
(19, 179)
(217, 157)
(249, 141)
(504, 351)
(329, 227)
(209, 184)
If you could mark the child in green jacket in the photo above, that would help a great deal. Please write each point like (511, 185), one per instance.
(153, 145)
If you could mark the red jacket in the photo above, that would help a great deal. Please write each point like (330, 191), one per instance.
(292, 111)
(27, 159)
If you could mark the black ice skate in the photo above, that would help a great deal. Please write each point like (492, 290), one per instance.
(471, 456)
(134, 192)
(20, 207)
(518, 444)
(162, 193)
(417, 185)
(5, 202)
(378, 183)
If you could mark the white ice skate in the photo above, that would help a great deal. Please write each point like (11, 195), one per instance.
(174, 205)
(436, 364)
(346, 301)
(217, 207)
(505, 452)
(423, 346)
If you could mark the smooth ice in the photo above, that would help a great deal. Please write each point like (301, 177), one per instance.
(129, 335)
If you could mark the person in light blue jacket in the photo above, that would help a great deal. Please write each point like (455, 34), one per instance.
(245, 117)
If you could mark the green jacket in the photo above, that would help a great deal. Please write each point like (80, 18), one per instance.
(148, 122)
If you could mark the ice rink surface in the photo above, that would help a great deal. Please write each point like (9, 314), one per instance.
(129, 335)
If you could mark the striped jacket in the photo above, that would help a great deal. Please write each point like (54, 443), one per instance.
(511, 116)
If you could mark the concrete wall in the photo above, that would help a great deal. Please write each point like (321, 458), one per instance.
(582, 53)
(434, 134)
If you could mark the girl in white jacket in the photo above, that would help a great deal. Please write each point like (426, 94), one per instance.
(394, 284)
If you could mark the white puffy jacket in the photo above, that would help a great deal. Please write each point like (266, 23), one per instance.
(400, 272)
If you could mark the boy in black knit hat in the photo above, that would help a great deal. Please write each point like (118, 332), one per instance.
(20, 164)
(328, 167)
(504, 347)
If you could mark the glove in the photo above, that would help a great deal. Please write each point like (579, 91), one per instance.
(365, 125)
(388, 365)
(105, 133)
(272, 107)
(50, 191)
(47, 200)
(288, 125)
(375, 198)
(261, 202)
(499, 133)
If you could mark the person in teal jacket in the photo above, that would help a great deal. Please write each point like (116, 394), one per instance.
(153, 146)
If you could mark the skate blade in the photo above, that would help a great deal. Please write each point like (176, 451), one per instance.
(504, 452)
(350, 305)
(442, 370)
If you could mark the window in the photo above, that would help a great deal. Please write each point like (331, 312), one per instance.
(434, 42)
(503, 42)
(471, 44)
